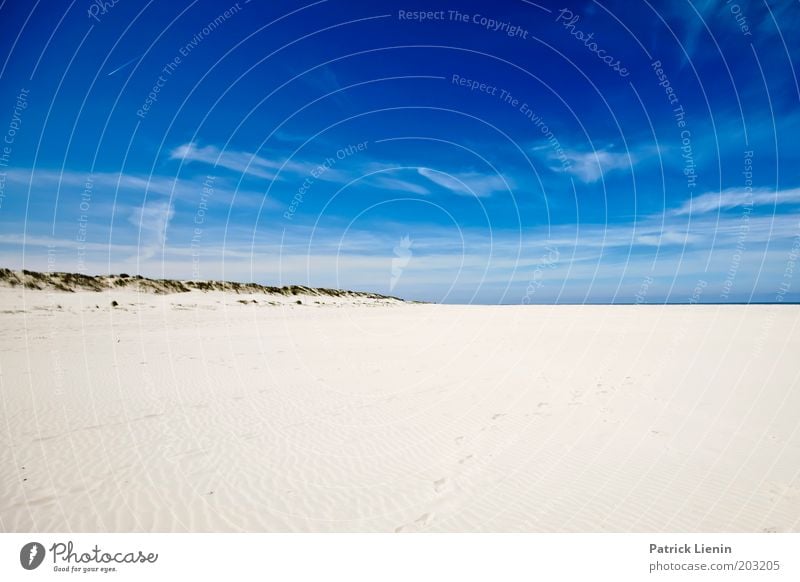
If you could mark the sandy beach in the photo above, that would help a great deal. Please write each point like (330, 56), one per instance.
(218, 411)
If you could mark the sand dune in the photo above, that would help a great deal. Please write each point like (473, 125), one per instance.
(72, 282)
(222, 411)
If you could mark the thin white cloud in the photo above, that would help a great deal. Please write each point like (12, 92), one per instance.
(463, 183)
(399, 185)
(73, 183)
(591, 166)
(668, 237)
(735, 197)
(152, 220)
(592, 258)
(467, 183)
(162, 185)
(260, 166)
(237, 161)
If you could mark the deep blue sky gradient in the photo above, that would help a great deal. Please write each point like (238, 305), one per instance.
(598, 208)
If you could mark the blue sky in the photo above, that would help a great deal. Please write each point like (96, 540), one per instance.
(512, 152)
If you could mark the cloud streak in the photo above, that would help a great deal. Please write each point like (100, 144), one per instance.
(152, 221)
(468, 183)
(735, 197)
(590, 167)
(243, 162)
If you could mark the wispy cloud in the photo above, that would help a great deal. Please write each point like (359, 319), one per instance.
(468, 183)
(398, 185)
(237, 161)
(254, 164)
(154, 184)
(591, 166)
(186, 189)
(377, 173)
(152, 220)
(597, 261)
(668, 237)
(695, 18)
(735, 197)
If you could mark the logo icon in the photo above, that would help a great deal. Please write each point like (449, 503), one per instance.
(31, 555)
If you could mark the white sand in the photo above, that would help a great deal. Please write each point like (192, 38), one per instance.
(193, 412)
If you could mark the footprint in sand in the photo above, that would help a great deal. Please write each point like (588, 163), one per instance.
(418, 524)
(441, 485)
